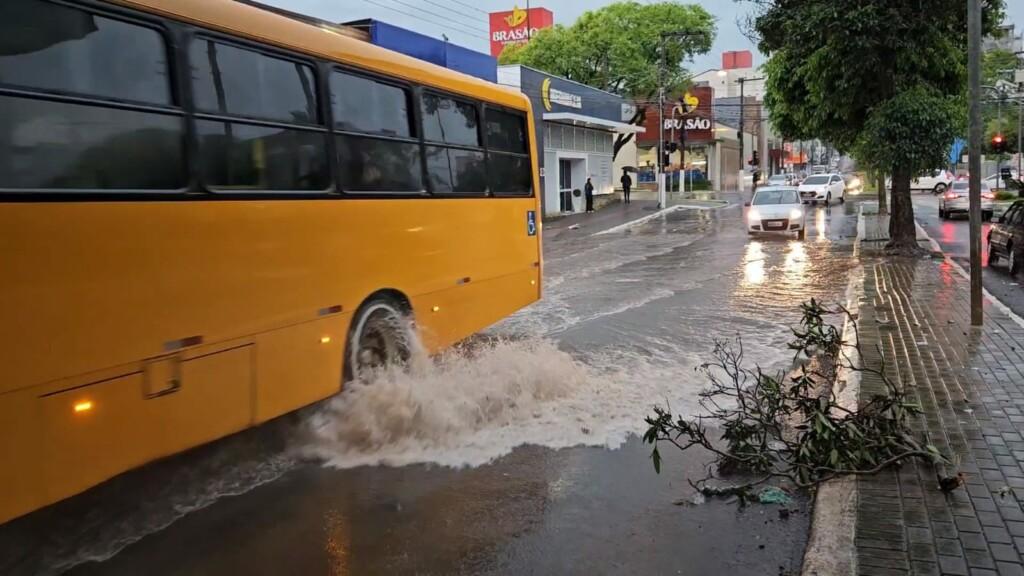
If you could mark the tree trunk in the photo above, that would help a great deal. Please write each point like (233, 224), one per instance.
(639, 117)
(883, 208)
(902, 232)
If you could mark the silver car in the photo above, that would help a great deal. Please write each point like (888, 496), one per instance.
(955, 201)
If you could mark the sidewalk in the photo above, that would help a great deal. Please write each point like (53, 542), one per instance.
(915, 316)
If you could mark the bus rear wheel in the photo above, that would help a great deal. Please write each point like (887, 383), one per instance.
(378, 337)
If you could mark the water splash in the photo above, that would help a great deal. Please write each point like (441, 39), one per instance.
(477, 403)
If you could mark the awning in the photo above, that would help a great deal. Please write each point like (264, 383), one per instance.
(592, 122)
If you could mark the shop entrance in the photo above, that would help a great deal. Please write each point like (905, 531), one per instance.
(571, 178)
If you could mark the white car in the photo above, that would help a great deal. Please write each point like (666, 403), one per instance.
(995, 181)
(777, 209)
(956, 201)
(823, 188)
(935, 181)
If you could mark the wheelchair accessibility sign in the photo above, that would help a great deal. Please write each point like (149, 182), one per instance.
(531, 223)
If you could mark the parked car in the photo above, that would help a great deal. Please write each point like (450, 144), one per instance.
(784, 179)
(823, 187)
(1006, 238)
(777, 209)
(996, 182)
(935, 181)
(956, 201)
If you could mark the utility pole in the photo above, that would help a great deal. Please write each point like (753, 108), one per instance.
(743, 113)
(974, 153)
(662, 200)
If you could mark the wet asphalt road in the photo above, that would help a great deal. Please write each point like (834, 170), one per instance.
(545, 476)
(953, 236)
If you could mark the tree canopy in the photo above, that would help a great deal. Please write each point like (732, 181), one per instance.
(884, 79)
(616, 47)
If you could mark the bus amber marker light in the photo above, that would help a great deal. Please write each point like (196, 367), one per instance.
(325, 339)
(83, 406)
(437, 308)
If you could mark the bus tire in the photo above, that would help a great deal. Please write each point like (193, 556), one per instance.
(378, 336)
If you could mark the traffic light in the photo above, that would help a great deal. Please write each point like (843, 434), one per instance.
(998, 144)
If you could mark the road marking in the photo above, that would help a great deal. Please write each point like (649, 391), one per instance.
(657, 214)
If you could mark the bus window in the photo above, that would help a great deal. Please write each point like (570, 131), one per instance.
(239, 82)
(509, 170)
(238, 155)
(456, 171)
(370, 107)
(376, 142)
(98, 141)
(506, 132)
(52, 47)
(453, 170)
(449, 121)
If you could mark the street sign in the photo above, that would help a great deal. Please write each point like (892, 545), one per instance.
(957, 150)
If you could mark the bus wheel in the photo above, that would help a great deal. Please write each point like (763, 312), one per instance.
(379, 337)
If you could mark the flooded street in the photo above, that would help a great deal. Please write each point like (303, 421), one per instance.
(515, 455)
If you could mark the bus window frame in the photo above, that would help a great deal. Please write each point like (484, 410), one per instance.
(194, 33)
(528, 155)
(412, 90)
(480, 133)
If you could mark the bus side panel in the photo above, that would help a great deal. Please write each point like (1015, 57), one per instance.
(21, 455)
(140, 417)
(299, 365)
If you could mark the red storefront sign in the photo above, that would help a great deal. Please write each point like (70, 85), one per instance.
(695, 116)
(517, 26)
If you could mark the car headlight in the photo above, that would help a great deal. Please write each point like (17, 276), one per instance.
(753, 215)
(796, 214)
(855, 183)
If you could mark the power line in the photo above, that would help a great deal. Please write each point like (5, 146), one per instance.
(453, 10)
(470, 6)
(444, 25)
(441, 16)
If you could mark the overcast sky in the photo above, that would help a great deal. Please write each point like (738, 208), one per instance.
(465, 21)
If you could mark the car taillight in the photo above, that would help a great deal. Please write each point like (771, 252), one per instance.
(988, 196)
(952, 195)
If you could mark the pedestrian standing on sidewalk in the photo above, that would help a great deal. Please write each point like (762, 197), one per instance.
(627, 183)
(589, 191)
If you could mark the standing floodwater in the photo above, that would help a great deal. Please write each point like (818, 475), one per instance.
(449, 467)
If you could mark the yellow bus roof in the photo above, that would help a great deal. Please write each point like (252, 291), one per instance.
(260, 25)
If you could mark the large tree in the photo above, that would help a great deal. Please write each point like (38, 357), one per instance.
(885, 78)
(617, 48)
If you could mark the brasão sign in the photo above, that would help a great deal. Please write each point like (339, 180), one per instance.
(517, 26)
(692, 113)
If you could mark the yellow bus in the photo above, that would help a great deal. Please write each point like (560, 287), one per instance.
(213, 214)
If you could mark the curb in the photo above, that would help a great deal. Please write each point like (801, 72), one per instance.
(831, 545)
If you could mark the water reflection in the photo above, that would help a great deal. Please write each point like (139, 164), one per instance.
(819, 223)
(337, 542)
(795, 266)
(753, 269)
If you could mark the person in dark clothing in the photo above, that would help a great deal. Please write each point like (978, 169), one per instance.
(627, 183)
(589, 191)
